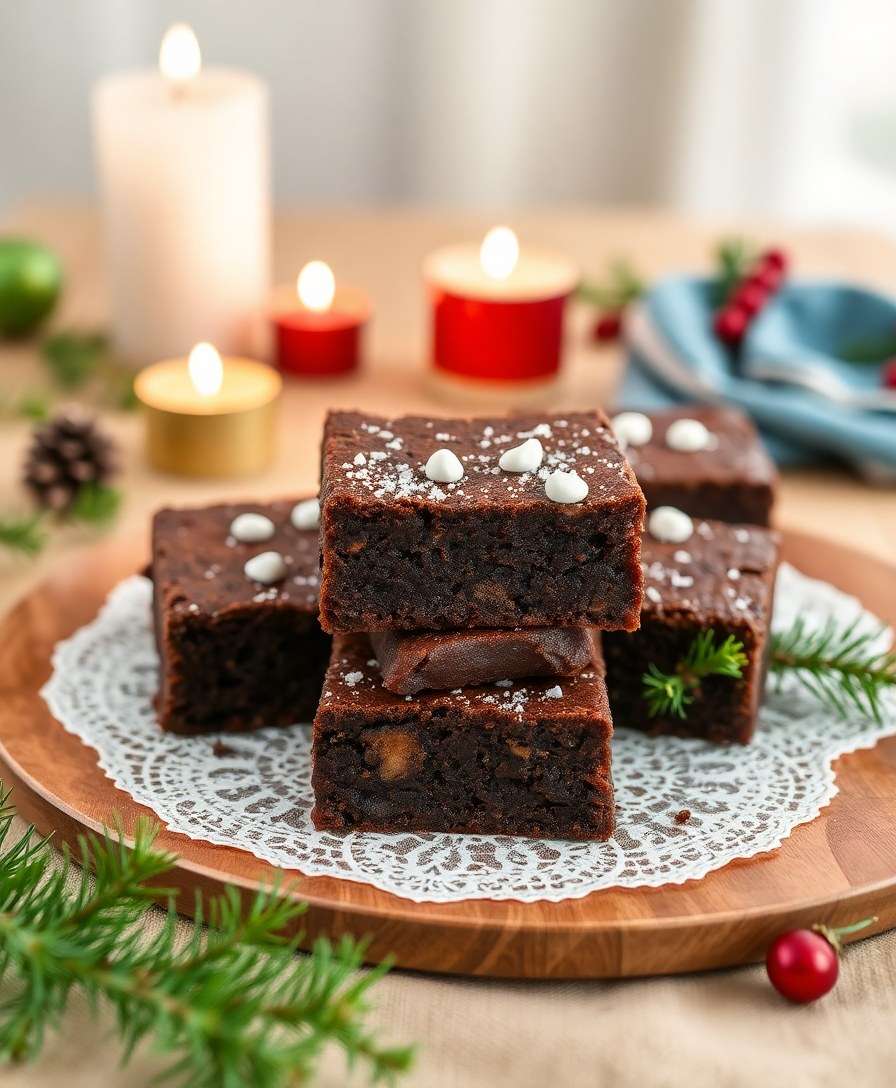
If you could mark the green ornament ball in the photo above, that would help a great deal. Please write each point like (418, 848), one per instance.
(30, 282)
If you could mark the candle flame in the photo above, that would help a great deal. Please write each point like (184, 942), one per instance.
(206, 370)
(499, 253)
(179, 57)
(316, 286)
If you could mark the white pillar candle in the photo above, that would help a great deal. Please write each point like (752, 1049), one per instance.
(183, 159)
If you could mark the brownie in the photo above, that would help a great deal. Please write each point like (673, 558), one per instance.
(721, 579)
(235, 654)
(412, 661)
(401, 550)
(732, 480)
(515, 758)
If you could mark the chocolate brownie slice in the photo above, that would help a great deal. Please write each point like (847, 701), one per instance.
(728, 476)
(435, 524)
(722, 580)
(516, 758)
(412, 661)
(236, 653)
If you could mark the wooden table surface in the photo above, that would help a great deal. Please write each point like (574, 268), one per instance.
(382, 251)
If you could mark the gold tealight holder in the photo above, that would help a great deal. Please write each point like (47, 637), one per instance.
(208, 416)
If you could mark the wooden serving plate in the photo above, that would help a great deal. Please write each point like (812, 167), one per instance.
(837, 869)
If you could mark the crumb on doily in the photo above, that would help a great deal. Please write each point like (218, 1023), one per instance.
(682, 816)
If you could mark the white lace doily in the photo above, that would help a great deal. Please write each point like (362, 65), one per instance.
(254, 791)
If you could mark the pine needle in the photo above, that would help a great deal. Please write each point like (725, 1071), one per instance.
(838, 663)
(95, 504)
(670, 694)
(734, 256)
(25, 535)
(621, 286)
(232, 1005)
(73, 357)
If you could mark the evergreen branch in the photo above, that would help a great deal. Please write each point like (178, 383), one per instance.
(839, 664)
(95, 504)
(621, 286)
(733, 256)
(231, 1005)
(671, 693)
(73, 357)
(33, 405)
(25, 535)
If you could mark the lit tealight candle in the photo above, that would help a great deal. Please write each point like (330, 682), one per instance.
(317, 325)
(208, 416)
(497, 310)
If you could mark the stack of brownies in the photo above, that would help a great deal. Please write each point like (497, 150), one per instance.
(474, 574)
(467, 569)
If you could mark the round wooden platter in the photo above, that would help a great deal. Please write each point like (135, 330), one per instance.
(838, 868)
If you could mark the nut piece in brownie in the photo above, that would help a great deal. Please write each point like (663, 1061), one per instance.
(720, 578)
(235, 610)
(707, 461)
(442, 524)
(412, 661)
(527, 758)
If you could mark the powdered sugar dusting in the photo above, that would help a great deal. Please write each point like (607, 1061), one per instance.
(389, 457)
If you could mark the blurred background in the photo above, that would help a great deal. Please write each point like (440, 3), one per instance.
(771, 107)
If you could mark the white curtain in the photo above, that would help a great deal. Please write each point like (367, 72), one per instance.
(716, 106)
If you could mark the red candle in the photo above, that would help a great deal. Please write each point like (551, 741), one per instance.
(497, 312)
(317, 326)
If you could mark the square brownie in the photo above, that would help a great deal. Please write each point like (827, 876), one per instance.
(722, 580)
(729, 478)
(424, 526)
(236, 653)
(515, 758)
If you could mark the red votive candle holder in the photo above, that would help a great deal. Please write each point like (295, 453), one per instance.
(498, 313)
(315, 340)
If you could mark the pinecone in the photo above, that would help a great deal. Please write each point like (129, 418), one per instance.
(65, 454)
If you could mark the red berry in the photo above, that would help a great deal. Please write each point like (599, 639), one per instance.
(608, 326)
(888, 376)
(731, 323)
(774, 258)
(766, 277)
(802, 965)
(750, 296)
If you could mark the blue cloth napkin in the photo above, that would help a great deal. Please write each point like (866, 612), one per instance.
(674, 357)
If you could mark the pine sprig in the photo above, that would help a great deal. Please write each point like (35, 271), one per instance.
(621, 286)
(95, 504)
(24, 535)
(733, 256)
(842, 665)
(232, 1005)
(669, 694)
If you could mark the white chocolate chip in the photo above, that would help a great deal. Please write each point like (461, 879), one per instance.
(444, 467)
(251, 528)
(524, 458)
(267, 568)
(669, 524)
(306, 515)
(555, 692)
(632, 428)
(566, 487)
(688, 436)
